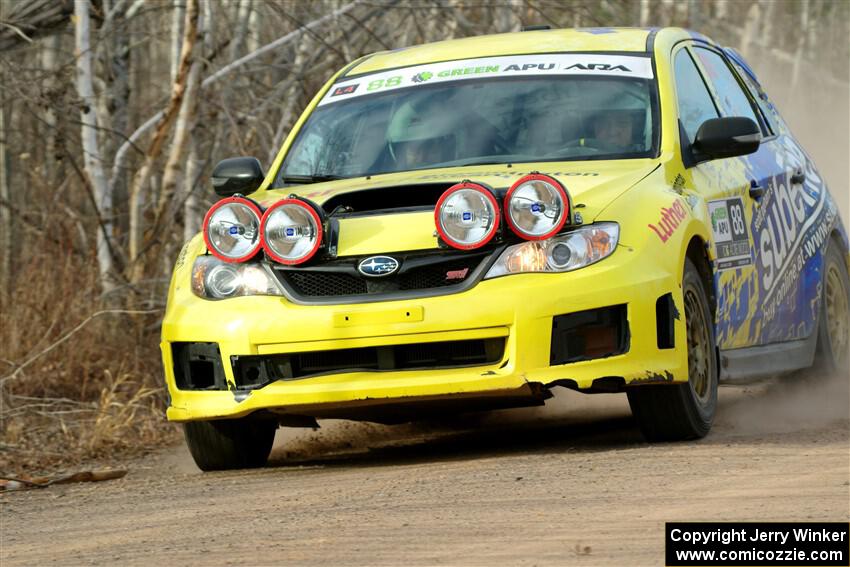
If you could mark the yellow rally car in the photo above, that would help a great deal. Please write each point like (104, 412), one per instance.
(465, 225)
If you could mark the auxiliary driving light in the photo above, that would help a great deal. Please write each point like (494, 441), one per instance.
(232, 229)
(536, 207)
(467, 216)
(291, 231)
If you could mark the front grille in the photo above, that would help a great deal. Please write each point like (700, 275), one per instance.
(257, 371)
(438, 275)
(417, 272)
(323, 284)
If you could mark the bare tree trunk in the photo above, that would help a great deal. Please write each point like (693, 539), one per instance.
(644, 13)
(114, 99)
(750, 29)
(93, 163)
(252, 37)
(287, 117)
(182, 128)
(154, 120)
(191, 216)
(802, 36)
(191, 212)
(177, 16)
(6, 216)
(242, 16)
(49, 49)
(143, 176)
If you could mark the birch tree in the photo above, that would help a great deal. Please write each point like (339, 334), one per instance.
(142, 178)
(92, 159)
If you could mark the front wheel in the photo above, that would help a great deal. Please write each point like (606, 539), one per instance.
(230, 443)
(672, 412)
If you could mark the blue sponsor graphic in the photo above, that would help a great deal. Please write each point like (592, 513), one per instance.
(233, 230)
(536, 208)
(466, 216)
(290, 231)
(790, 226)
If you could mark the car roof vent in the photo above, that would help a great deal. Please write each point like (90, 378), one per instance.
(537, 27)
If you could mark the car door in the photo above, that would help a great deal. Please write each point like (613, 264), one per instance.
(779, 211)
(790, 264)
(724, 186)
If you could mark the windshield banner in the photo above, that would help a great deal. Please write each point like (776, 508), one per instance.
(515, 65)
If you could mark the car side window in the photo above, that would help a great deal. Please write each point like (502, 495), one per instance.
(695, 103)
(730, 96)
(758, 95)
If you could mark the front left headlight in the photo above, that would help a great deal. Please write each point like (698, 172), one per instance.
(567, 251)
(215, 279)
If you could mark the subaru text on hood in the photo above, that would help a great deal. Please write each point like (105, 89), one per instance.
(465, 225)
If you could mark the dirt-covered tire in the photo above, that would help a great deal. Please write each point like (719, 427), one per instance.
(833, 352)
(673, 412)
(230, 443)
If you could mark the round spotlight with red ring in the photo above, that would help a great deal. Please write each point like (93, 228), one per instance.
(467, 216)
(232, 229)
(291, 231)
(536, 207)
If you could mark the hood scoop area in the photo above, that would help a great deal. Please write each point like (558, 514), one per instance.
(385, 200)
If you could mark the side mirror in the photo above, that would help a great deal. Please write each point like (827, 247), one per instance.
(237, 175)
(727, 137)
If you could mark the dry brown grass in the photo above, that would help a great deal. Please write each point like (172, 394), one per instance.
(94, 395)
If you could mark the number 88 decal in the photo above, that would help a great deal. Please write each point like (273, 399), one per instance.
(737, 214)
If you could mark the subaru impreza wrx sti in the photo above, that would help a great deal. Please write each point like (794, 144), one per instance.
(466, 225)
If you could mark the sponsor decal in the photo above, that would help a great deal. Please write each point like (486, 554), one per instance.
(637, 66)
(600, 67)
(347, 89)
(671, 219)
(679, 184)
(509, 174)
(181, 258)
(731, 238)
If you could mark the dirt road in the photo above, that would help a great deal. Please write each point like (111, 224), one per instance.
(572, 484)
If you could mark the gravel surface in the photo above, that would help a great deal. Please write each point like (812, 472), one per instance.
(569, 484)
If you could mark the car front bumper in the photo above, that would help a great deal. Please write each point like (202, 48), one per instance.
(518, 309)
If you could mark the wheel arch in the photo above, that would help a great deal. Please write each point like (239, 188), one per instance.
(839, 236)
(697, 252)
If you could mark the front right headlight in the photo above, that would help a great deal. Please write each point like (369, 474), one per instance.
(567, 251)
(215, 279)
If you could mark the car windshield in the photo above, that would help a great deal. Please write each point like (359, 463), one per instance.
(368, 126)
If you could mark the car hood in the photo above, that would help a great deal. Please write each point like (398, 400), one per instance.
(592, 186)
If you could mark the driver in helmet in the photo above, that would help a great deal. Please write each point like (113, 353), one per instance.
(618, 123)
(615, 129)
(421, 133)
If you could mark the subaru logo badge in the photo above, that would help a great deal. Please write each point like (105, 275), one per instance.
(378, 266)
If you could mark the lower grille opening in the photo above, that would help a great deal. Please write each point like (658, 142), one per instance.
(586, 335)
(197, 366)
(257, 371)
(665, 313)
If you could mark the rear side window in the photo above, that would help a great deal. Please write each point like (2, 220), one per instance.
(757, 94)
(695, 104)
(730, 96)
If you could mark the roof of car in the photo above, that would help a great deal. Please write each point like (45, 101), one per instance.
(516, 43)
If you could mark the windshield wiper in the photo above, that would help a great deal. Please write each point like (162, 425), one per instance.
(316, 178)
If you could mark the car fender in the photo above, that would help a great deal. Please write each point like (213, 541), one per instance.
(659, 221)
